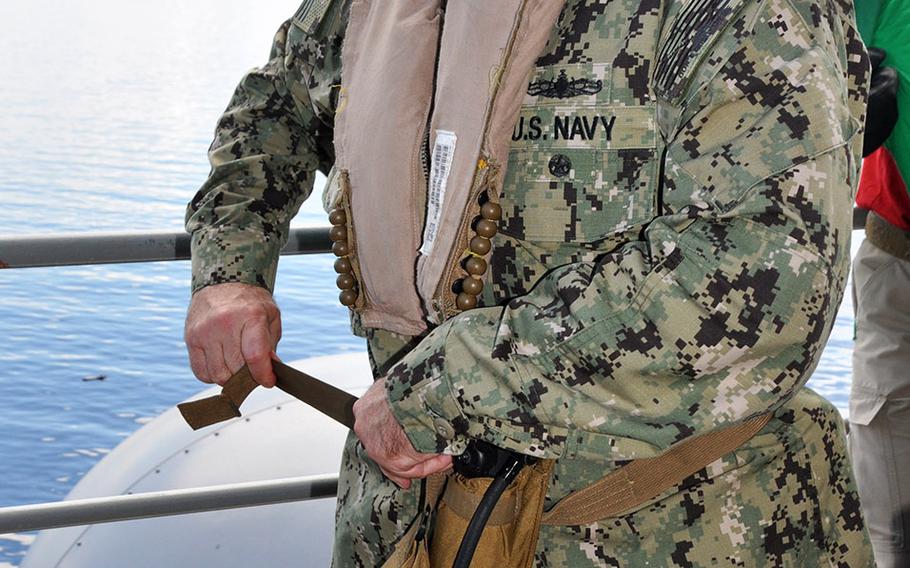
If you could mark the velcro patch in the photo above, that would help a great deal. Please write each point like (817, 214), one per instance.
(310, 14)
(601, 127)
(693, 31)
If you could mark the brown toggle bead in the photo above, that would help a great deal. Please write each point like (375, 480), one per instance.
(347, 298)
(476, 265)
(472, 286)
(486, 228)
(345, 281)
(479, 245)
(341, 248)
(338, 233)
(343, 266)
(338, 217)
(466, 301)
(491, 211)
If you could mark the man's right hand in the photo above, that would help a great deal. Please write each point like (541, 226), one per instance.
(231, 325)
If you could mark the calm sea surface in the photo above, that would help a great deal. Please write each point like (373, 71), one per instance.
(106, 110)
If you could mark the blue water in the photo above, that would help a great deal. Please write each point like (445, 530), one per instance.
(106, 110)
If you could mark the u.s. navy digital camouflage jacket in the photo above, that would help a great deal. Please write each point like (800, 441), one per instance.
(619, 329)
(650, 281)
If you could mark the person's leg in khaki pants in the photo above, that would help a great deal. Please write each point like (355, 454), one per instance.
(880, 401)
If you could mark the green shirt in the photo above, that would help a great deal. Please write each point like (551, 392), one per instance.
(886, 24)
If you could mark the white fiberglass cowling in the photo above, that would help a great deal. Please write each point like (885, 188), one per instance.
(277, 437)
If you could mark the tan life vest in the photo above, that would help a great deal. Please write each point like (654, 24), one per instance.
(415, 77)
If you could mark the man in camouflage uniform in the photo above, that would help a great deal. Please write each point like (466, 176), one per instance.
(673, 249)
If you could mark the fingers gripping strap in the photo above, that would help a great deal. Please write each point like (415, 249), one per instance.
(224, 406)
(645, 479)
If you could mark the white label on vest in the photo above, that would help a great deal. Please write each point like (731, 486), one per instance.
(440, 166)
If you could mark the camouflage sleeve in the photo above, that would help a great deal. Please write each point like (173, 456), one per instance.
(719, 313)
(274, 135)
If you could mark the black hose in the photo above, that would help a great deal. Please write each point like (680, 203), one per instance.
(485, 508)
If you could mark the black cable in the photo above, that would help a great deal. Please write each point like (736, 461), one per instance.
(503, 479)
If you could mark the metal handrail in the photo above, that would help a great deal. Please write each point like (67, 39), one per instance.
(114, 248)
(80, 512)
(110, 248)
(71, 249)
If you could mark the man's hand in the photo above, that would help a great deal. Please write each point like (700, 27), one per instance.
(230, 325)
(386, 443)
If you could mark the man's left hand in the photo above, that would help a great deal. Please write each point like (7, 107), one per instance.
(386, 443)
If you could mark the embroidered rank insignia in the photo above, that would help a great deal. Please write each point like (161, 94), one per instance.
(563, 88)
(694, 29)
(310, 14)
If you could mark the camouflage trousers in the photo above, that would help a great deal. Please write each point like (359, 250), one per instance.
(372, 512)
(786, 498)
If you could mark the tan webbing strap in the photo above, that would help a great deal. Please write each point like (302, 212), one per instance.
(435, 485)
(645, 479)
(223, 406)
(331, 401)
(887, 237)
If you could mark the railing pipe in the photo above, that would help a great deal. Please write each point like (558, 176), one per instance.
(165, 503)
(71, 249)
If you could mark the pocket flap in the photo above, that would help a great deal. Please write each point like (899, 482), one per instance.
(864, 406)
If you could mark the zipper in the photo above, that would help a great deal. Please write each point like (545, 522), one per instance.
(425, 155)
(444, 299)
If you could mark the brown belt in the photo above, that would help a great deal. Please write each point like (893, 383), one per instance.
(333, 402)
(629, 486)
(887, 237)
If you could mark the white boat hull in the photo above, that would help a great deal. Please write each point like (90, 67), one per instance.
(277, 437)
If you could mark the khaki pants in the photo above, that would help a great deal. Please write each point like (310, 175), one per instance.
(880, 401)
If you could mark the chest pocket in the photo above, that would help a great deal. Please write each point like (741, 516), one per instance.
(579, 174)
